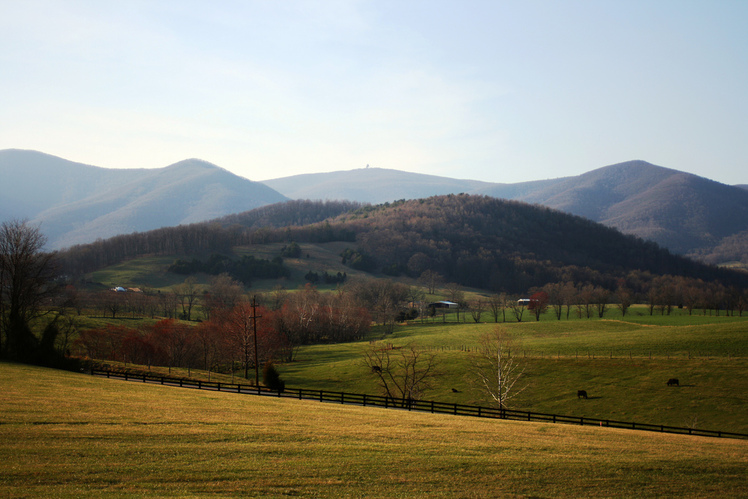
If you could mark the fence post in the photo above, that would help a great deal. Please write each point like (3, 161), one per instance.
(300, 389)
(238, 388)
(364, 400)
(219, 386)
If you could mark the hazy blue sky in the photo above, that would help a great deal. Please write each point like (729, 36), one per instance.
(502, 91)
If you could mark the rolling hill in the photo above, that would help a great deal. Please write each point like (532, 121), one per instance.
(475, 241)
(687, 214)
(76, 203)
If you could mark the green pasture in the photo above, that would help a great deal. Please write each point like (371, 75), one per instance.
(144, 272)
(624, 368)
(73, 435)
(151, 271)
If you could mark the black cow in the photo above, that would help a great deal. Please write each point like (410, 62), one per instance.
(581, 394)
(673, 382)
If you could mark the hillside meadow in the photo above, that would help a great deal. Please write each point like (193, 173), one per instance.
(73, 435)
(622, 362)
(624, 367)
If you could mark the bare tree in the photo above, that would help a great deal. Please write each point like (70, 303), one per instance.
(602, 296)
(187, 293)
(476, 309)
(241, 331)
(431, 280)
(26, 280)
(403, 373)
(624, 299)
(498, 371)
(497, 305)
(518, 307)
(223, 294)
(538, 303)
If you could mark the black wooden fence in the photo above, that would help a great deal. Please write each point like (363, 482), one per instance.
(409, 405)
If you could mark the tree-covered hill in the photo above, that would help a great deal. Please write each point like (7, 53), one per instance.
(688, 214)
(496, 244)
(476, 241)
(290, 213)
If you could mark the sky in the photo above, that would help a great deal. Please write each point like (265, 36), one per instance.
(499, 91)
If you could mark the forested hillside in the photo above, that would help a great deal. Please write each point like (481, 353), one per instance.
(688, 214)
(290, 213)
(494, 244)
(475, 241)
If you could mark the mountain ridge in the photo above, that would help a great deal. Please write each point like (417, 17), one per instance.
(685, 213)
(77, 203)
(96, 203)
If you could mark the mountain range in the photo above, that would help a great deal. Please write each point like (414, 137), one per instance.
(76, 203)
(685, 213)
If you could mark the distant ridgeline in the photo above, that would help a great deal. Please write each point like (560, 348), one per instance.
(476, 241)
(244, 269)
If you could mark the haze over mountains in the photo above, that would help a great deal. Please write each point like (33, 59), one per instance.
(685, 213)
(77, 203)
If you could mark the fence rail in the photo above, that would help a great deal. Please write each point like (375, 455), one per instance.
(409, 405)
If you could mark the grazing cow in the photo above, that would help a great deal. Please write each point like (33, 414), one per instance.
(376, 369)
(673, 382)
(581, 394)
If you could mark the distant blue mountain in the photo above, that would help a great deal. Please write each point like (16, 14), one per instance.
(76, 203)
(685, 213)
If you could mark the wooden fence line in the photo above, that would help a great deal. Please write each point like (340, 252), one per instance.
(410, 405)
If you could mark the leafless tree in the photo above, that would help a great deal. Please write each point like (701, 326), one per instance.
(431, 280)
(497, 370)
(602, 296)
(518, 308)
(624, 299)
(223, 294)
(240, 327)
(26, 280)
(476, 309)
(403, 373)
(187, 293)
(497, 305)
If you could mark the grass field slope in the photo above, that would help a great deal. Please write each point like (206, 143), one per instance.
(72, 435)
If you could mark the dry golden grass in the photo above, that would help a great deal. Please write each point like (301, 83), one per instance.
(70, 435)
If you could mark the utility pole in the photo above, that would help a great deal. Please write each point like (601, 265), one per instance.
(254, 323)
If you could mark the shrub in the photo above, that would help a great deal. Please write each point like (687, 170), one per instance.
(271, 378)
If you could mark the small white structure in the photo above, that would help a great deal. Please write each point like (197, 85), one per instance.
(444, 304)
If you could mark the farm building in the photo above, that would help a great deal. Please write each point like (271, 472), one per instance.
(443, 304)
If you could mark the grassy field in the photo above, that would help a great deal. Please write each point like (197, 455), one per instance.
(623, 366)
(151, 272)
(72, 435)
